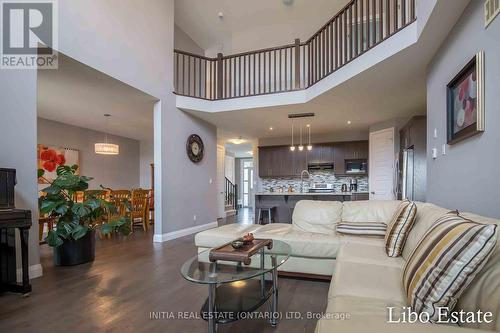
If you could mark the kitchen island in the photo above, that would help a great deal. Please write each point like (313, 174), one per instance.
(285, 201)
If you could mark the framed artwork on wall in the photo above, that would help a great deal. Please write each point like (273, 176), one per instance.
(50, 157)
(465, 101)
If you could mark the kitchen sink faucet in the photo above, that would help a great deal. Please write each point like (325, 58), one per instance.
(302, 180)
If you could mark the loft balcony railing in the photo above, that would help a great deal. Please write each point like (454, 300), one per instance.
(355, 29)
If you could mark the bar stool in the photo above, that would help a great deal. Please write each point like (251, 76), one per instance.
(270, 213)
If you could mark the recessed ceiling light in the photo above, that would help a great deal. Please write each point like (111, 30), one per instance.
(308, 125)
(220, 15)
(271, 128)
(348, 122)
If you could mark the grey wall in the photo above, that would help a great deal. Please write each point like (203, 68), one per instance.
(146, 148)
(18, 143)
(118, 172)
(467, 177)
(184, 43)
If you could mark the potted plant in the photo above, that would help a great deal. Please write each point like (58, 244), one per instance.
(73, 239)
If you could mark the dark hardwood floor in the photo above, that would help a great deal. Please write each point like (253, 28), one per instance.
(130, 278)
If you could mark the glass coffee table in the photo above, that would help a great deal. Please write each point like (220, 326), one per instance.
(235, 290)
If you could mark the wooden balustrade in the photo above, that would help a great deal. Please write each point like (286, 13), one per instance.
(355, 29)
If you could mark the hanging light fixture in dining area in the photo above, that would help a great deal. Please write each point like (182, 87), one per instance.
(106, 148)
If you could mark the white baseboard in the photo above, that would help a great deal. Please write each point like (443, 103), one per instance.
(183, 232)
(34, 271)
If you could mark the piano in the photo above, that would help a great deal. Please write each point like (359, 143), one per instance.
(10, 220)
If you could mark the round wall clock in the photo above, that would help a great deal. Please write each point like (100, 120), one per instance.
(195, 148)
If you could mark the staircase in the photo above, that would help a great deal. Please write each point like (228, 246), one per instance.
(230, 198)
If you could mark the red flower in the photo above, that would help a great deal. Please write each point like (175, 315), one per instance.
(60, 159)
(50, 166)
(48, 155)
(51, 159)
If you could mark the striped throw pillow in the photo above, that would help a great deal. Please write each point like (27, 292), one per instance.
(362, 228)
(444, 263)
(399, 228)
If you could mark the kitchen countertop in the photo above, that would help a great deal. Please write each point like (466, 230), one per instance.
(311, 193)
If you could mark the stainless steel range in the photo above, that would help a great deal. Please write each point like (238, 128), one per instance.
(321, 188)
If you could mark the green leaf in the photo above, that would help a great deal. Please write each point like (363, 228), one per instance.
(63, 169)
(62, 209)
(93, 203)
(74, 167)
(48, 206)
(80, 209)
(53, 239)
(41, 172)
(79, 231)
(107, 228)
(66, 181)
(52, 190)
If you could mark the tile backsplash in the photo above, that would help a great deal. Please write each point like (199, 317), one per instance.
(316, 177)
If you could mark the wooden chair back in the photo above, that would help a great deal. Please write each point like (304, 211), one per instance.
(139, 202)
(98, 194)
(78, 196)
(119, 198)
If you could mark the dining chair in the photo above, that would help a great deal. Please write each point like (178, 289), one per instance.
(78, 196)
(119, 199)
(42, 221)
(151, 212)
(98, 194)
(139, 208)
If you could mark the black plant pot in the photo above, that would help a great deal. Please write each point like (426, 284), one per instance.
(76, 252)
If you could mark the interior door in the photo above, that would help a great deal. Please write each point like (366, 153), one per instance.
(381, 173)
(221, 152)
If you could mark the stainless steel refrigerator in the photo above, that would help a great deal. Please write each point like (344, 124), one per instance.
(405, 168)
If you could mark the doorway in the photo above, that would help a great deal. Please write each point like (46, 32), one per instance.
(247, 181)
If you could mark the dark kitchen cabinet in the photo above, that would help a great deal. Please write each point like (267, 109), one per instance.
(280, 161)
(321, 153)
(339, 158)
(356, 150)
(299, 161)
(266, 161)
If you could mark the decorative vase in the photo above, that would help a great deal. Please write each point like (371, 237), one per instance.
(76, 252)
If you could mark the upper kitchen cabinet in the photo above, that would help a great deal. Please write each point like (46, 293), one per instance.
(321, 153)
(279, 161)
(339, 158)
(356, 150)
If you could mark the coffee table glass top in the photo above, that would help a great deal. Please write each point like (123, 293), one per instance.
(200, 270)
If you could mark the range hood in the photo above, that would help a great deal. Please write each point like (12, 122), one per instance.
(320, 166)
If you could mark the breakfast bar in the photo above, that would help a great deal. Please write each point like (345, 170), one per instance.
(284, 202)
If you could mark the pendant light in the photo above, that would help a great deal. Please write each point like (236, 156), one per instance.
(301, 147)
(106, 148)
(309, 146)
(292, 147)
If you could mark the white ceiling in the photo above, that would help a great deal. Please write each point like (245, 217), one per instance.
(249, 25)
(79, 95)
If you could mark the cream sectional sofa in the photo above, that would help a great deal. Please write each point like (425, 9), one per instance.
(365, 280)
